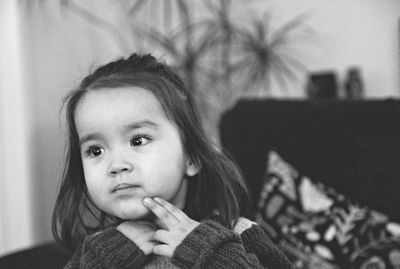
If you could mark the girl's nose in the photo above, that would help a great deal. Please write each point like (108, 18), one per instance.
(118, 166)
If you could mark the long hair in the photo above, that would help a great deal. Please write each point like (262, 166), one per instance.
(216, 191)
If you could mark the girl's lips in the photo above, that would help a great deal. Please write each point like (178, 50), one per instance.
(124, 186)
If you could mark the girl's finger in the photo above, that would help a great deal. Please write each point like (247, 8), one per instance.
(166, 217)
(163, 250)
(171, 208)
(162, 236)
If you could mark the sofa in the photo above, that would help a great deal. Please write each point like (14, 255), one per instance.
(48, 255)
(340, 156)
(324, 177)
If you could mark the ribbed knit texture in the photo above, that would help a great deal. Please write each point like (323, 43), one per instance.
(209, 245)
(256, 241)
(108, 249)
(157, 262)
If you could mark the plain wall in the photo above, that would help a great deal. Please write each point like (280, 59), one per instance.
(363, 33)
(59, 48)
(15, 189)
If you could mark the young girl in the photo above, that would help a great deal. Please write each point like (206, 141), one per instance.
(142, 187)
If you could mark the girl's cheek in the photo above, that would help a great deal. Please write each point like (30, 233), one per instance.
(93, 163)
(90, 171)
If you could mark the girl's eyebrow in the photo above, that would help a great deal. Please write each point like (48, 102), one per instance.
(141, 124)
(128, 127)
(88, 137)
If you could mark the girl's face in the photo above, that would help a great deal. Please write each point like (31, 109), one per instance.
(130, 150)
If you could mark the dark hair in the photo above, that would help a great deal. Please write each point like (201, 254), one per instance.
(218, 187)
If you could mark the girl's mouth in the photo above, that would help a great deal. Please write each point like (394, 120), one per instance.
(124, 186)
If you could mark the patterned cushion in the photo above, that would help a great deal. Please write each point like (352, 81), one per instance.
(318, 227)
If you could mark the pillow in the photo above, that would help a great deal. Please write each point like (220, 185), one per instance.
(318, 227)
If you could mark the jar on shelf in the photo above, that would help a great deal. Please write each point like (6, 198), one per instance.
(353, 85)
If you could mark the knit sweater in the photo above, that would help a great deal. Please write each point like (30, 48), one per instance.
(209, 245)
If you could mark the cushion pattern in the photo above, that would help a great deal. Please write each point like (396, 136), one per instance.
(317, 227)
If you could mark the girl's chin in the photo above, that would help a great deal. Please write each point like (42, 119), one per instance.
(141, 213)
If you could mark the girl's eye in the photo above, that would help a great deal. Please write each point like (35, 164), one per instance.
(94, 151)
(139, 141)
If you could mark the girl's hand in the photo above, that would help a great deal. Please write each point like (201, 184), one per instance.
(175, 225)
(141, 233)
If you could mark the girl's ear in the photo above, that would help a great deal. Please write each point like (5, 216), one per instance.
(192, 167)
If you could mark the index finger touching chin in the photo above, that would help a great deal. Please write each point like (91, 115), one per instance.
(176, 212)
(165, 217)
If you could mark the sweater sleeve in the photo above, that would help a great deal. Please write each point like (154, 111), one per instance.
(211, 245)
(256, 241)
(108, 249)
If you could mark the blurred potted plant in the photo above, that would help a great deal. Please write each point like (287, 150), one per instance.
(220, 58)
(232, 59)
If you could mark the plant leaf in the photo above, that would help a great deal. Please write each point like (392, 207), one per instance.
(137, 7)
(280, 35)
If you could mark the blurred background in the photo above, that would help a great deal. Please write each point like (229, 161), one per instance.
(225, 50)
